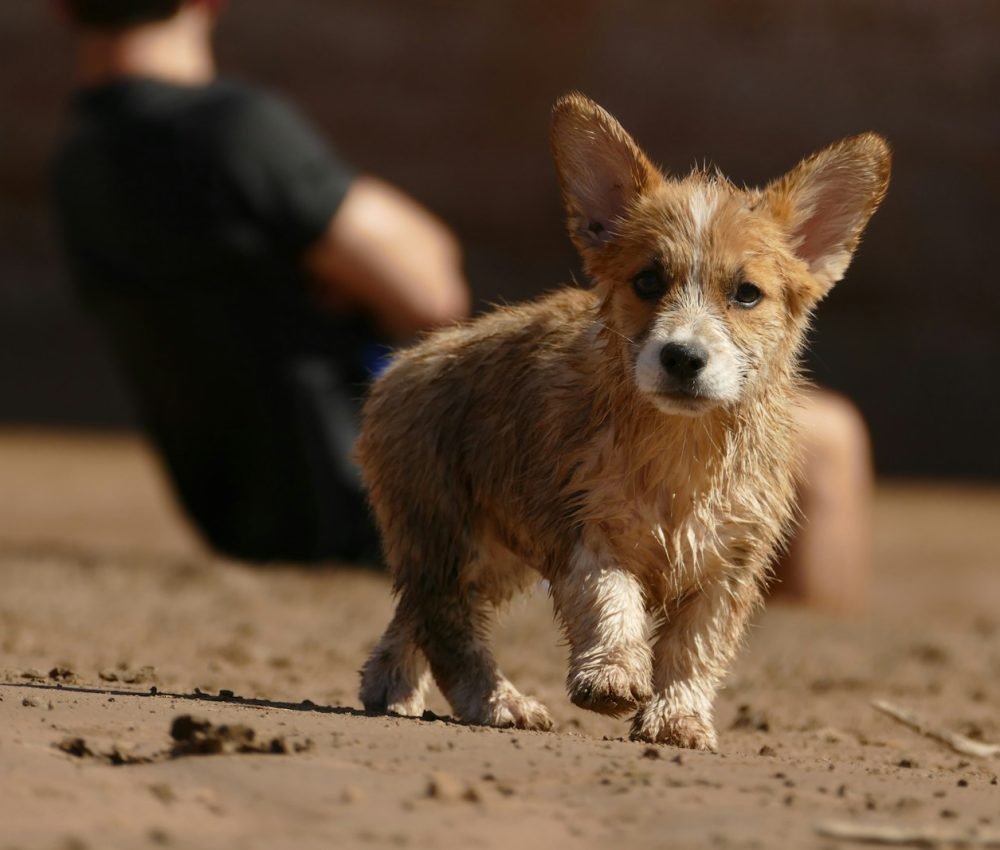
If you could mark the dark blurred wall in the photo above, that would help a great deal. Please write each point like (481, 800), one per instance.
(451, 101)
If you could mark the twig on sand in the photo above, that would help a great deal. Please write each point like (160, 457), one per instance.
(908, 836)
(959, 743)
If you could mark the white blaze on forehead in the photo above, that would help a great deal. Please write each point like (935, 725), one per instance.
(702, 204)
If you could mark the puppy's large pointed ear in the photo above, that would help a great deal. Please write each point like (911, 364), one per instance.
(601, 170)
(825, 202)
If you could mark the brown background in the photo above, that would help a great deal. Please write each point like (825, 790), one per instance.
(451, 100)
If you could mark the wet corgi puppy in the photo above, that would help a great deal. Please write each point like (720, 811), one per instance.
(632, 442)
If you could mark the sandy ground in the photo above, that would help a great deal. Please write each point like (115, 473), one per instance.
(114, 622)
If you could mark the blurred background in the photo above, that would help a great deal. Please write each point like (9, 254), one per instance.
(450, 100)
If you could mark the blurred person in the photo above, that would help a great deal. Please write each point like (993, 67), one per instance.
(828, 560)
(247, 280)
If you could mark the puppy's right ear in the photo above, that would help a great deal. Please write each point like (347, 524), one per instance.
(601, 170)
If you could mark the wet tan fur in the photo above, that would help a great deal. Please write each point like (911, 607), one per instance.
(518, 446)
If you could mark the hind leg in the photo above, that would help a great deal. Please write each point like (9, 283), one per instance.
(395, 677)
(453, 634)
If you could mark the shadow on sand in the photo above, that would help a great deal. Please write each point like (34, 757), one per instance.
(224, 696)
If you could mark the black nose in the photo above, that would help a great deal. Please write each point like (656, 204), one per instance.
(683, 360)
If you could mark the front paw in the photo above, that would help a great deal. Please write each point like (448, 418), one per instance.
(691, 731)
(612, 689)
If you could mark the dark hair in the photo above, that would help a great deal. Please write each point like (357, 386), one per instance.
(119, 14)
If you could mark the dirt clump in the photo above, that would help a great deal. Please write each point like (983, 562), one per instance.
(197, 736)
(114, 754)
(129, 675)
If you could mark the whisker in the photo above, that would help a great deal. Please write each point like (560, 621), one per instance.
(609, 328)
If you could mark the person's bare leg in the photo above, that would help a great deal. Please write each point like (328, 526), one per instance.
(829, 557)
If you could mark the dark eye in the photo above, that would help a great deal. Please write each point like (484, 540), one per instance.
(747, 295)
(649, 284)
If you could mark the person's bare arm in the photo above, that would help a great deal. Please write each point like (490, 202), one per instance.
(384, 252)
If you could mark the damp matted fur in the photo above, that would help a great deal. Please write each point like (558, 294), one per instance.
(633, 442)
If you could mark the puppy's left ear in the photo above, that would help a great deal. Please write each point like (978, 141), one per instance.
(825, 202)
(601, 170)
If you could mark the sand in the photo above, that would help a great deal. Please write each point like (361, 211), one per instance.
(114, 622)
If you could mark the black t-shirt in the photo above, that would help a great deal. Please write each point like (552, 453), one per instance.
(185, 212)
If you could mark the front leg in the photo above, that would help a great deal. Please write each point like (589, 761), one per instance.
(603, 612)
(691, 654)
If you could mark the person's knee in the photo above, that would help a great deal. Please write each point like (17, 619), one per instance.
(834, 433)
(828, 560)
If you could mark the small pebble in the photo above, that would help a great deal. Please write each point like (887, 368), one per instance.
(159, 836)
(163, 792)
(61, 674)
(352, 794)
(445, 787)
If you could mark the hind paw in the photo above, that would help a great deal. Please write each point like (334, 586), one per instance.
(507, 708)
(392, 693)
